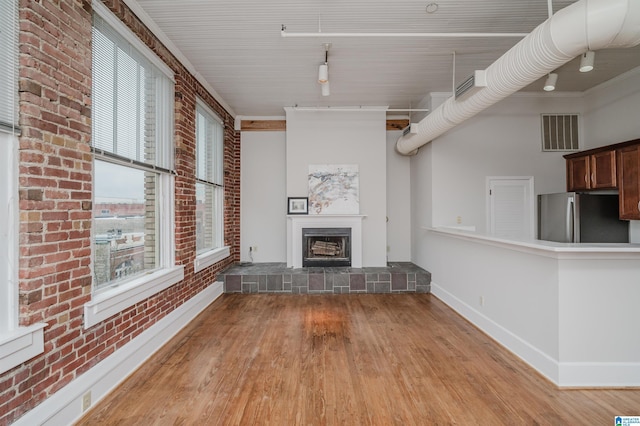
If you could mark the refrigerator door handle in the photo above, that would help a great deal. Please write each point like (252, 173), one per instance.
(569, 219)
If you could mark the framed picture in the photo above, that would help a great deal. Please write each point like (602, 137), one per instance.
(334, 189)
(298, 205)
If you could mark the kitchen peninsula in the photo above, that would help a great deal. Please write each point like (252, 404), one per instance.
(569, 310)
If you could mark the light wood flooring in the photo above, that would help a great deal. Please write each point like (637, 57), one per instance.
(368, 359)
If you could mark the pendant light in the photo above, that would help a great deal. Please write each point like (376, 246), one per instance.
(550, 84)
(323, 74)
(586, 61)
(323, 71)
(325, 89)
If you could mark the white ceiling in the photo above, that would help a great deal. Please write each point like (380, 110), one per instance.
(236, 46)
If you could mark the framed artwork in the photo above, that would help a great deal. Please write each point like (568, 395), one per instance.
(298, 205)
(334, 189)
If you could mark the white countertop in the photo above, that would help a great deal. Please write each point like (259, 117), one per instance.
(560, 250)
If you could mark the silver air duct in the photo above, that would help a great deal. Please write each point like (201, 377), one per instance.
(582, 26)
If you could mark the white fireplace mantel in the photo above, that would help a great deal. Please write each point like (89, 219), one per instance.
(295, 224)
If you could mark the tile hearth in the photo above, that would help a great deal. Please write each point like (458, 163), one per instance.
(397, 277)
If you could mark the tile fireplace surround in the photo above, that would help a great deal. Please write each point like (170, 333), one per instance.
(397, 277)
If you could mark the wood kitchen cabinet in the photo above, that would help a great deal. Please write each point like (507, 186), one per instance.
(614, 166)
(603, 170)
(591, 171)
(578, 171)
(628, 164)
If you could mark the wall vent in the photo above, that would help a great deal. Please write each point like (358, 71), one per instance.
(560, 132)
(472, 84)
(410, 129)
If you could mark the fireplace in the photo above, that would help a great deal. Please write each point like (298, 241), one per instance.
(326, 247)
(297, 222)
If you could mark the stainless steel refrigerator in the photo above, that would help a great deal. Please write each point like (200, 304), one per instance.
(570, 217)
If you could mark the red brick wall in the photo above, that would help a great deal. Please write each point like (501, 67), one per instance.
(55, 190)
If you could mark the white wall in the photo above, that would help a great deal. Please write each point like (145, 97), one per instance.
(421, 200)
(598, 298)
(611, 111)
(263, 199)
(520, 302)
(332, 137)
(398, 202)
(504, 140)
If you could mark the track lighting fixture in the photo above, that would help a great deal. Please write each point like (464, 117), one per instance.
(586, 61)
(323, 71)
(325, 89)
(550, 84)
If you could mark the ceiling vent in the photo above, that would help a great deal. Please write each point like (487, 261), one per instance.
(471, 85)
(411, 129)
(560, 132)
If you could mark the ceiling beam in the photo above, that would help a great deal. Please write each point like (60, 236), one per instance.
(263, 126)
(281, 125)
(397, 124)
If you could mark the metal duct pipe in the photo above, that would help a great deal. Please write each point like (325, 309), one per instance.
(584, 25)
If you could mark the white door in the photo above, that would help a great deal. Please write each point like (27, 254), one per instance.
(510, 207)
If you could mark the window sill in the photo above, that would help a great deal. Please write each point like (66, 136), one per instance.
(20, 345)
(211, 257)
(106, 304)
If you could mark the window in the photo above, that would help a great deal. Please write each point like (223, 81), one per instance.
(125, 225)
(132, 141)
(131, 132)
(17, 344)
(209, 188)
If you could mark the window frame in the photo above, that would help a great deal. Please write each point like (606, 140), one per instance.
(111, 300)
(220, 252)
(17, 344)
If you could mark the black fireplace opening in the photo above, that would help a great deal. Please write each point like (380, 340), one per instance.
(326, 247)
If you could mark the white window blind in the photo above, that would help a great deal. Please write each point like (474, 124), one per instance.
(210, 142)
(8, 65)
(209, 179)
(131, 97)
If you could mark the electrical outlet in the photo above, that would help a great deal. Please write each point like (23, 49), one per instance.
(459, 220)
(481, 300)
(254, 248)
(86, 401)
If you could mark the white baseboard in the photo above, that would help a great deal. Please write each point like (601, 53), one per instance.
(600, 374)
(563, 374)
(537, 359)
(65, 406)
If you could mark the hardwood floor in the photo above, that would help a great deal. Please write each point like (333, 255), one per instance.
(369, 359)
